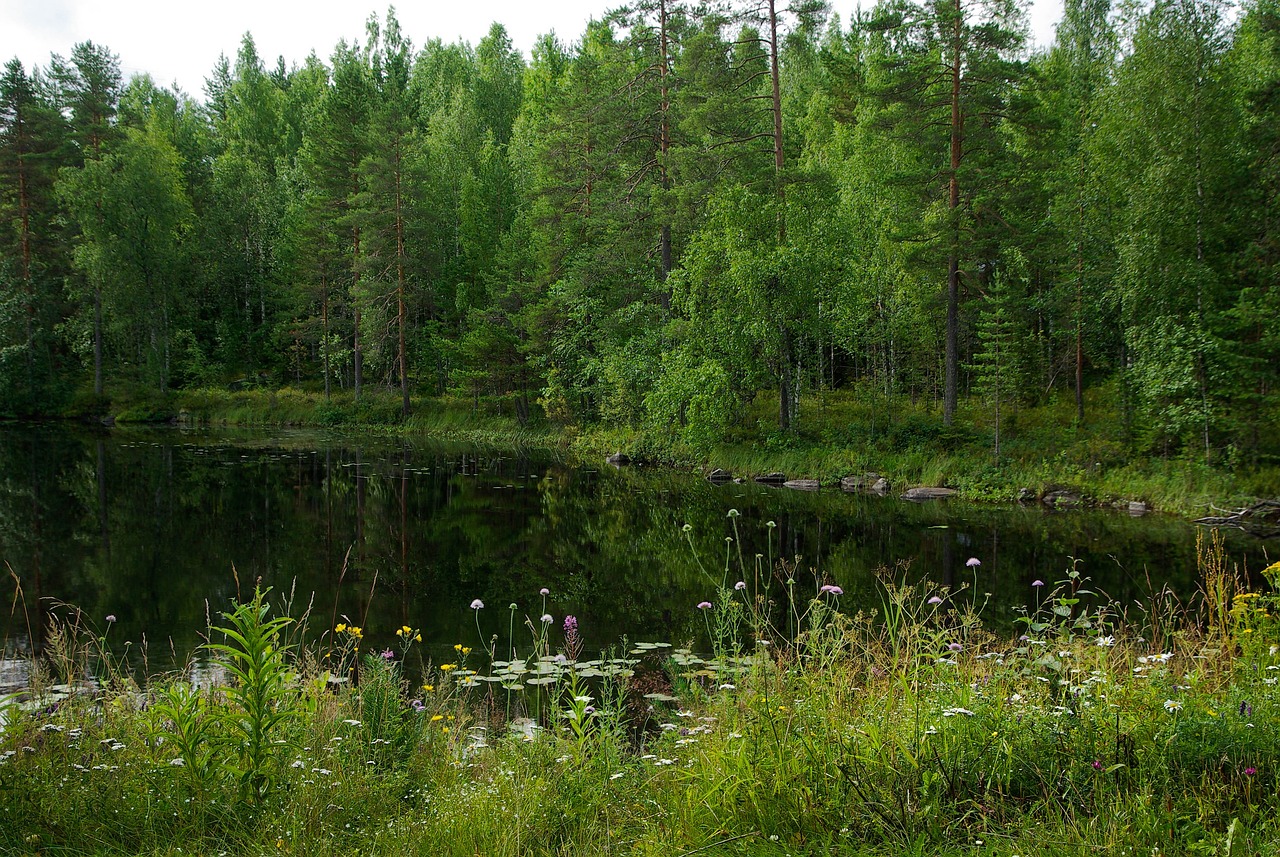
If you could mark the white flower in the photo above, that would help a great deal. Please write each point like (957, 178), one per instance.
(178, 762)
(1172, 705)
(546, 619)
(1106, 642)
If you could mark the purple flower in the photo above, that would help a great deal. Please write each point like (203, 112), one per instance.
(955, 647)
(111, 617)
(1037, 583)
(1246, 709)
(1097, 765)
(740, 585)
(477, 604)
(388, 655)
(704, 605)
(830, 590)
(544, 591)
(417, 705)
(935, 600)
(1250, 771)
(570, 624)
(973, 562)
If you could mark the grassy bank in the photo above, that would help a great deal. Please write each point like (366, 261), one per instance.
(839, 435)
(910, 729)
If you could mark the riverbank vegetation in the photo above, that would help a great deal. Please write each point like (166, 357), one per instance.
(809, 727)
(706, 230)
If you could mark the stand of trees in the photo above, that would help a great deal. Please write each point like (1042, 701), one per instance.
(687, 207)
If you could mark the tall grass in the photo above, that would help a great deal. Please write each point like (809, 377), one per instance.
(905, 727)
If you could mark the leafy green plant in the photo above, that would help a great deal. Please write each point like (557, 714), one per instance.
(262, 703)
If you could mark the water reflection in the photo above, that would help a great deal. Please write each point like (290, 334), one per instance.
(162, 528)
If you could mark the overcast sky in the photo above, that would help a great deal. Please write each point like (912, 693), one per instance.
(180, 41)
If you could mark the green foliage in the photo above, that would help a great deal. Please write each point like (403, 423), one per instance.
(261, 712)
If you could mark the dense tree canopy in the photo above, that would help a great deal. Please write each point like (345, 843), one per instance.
(686, 208)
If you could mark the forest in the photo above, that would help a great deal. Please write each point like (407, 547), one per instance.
(688, 211)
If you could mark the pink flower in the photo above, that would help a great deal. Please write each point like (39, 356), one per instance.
(829, 589)
(544, 591)
(973, 562)
(477, 604)
(1037, 583)
(935, 600)
(704, 605)
(740, 585)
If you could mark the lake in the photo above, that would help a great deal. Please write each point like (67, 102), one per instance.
(160, 527)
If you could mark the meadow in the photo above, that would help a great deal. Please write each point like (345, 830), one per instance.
(798, 725)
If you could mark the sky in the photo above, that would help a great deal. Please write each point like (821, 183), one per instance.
(179, 42)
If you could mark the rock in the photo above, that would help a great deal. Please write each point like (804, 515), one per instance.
(921, 494)
(802, 484)
(772, 478)
(1137, 508)
(619, 459)
(719, 475)
(1063, 499)
(860, 483)
(1026, 495)
(881, 486)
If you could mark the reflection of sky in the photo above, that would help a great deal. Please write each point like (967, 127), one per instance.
(383, 534)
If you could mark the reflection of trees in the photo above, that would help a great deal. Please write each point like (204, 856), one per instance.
(148, 526)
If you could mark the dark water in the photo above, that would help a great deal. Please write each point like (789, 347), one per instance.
(148, 525)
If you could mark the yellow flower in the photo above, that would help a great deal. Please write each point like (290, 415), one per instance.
(466, 651)
(417, 638)
(436, 718)
(446, 667)
(342, 626)
(457, 647)
(450, 716)
(429, 688)
(445, 730)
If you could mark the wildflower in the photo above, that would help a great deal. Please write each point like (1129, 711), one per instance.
(477, 604)
(704, 605)
(544, 591)
(935, 600)
(1037, 583)
(733, 513)
(955, 647)
(1172, 705)
(688, 528)
(570, 624)
(829, 589)
(1106, 642)
(973, 562)
(1097, 765)
(444, 668)
(742, 584)
(1246, 710)
(436, 718)
(111, 617)
(428, 688)
(1250, 771)
(342, 626)
(466, 650)
(388, 655)
(546, 619)
(177, 762)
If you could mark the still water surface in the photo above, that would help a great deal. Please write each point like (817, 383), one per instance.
(158, 528)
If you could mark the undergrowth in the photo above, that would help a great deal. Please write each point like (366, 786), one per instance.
(809, 727)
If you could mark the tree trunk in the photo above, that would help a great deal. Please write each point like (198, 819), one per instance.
(952, 368)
